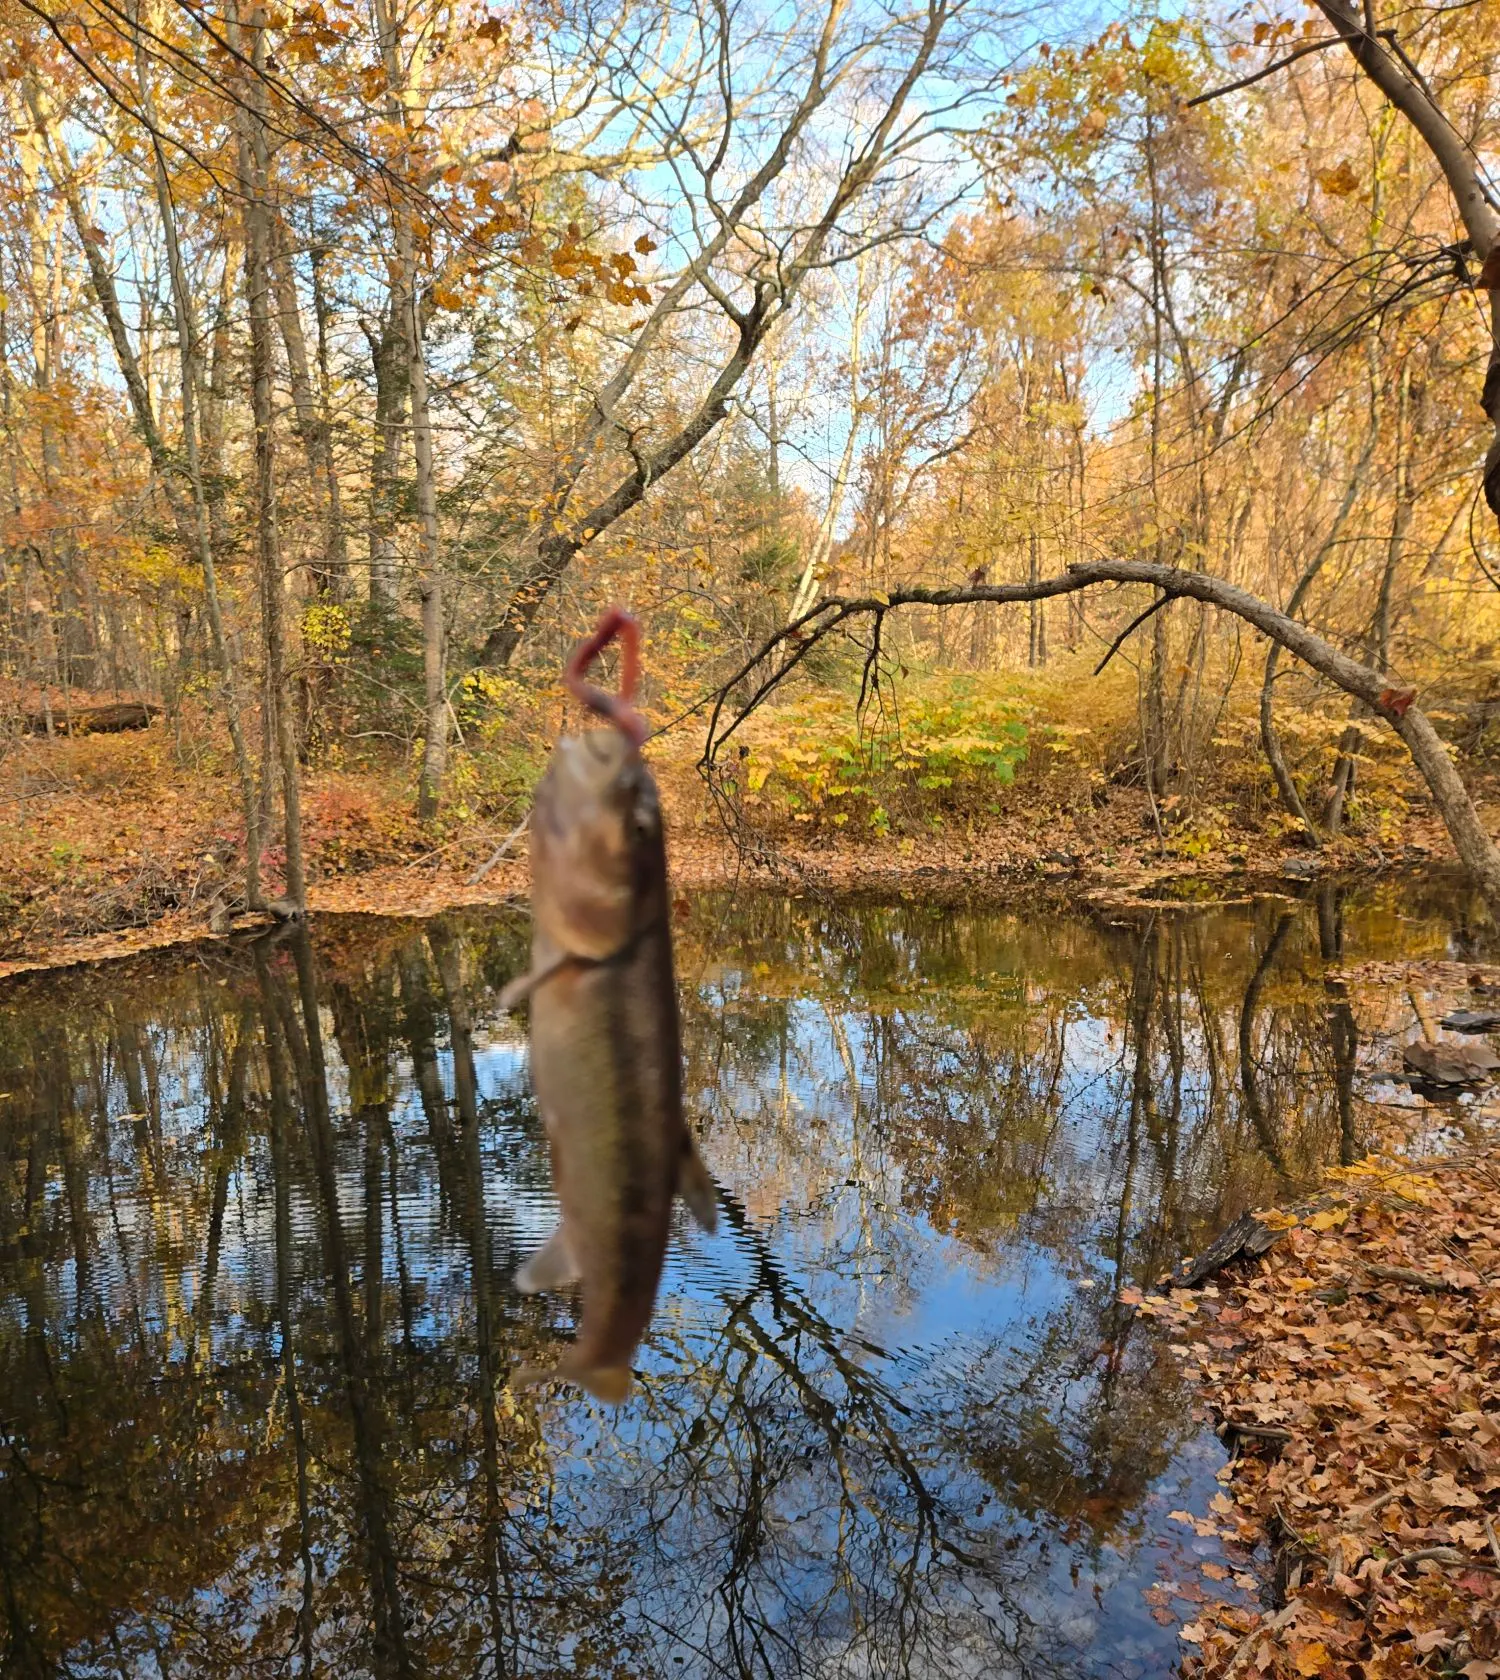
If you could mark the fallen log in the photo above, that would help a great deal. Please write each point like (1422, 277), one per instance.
(110, 718)
(1246, 1239)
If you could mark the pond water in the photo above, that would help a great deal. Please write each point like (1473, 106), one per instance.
(259, 1208)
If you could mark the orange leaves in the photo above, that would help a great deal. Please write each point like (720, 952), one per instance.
(1312, 1658)
(607, 274)
(1340, 181)
(1362, 1354)
(372, 82)
(1327, 1218)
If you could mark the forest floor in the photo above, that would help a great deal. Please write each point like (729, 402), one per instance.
(1353, 1371)
(109, 845)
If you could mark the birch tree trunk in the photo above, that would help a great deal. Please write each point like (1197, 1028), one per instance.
(816, 568)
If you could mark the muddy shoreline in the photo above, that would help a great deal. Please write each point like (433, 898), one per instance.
(411, 891)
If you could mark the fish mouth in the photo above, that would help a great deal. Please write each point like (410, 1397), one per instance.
(616, 625)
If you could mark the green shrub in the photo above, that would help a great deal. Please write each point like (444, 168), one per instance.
(936, 747)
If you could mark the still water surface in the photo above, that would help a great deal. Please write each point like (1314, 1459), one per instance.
(259, 1208)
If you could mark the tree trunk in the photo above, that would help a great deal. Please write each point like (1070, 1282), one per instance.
(388, 361)
(107, 297)
(434, 666)
(404, 296)
(1269, 738)
(330, 571)
(338, 540)
(187, 344)
(1462, 169)
(216, 403)
(1379, 637)
(255, 173)
(818, 555)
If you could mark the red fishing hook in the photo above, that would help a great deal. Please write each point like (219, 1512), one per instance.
(615, 625)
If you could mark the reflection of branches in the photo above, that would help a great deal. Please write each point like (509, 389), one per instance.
(771, 1324)
(280, 1108)
(793, 1500)
(1343, 1030)
(306, 1044)
(1255, 1106)
(500, 1589)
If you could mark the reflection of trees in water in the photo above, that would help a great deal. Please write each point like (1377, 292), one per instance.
(1017, 1076)
(255, 1318)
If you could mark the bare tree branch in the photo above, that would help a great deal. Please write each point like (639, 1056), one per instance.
(1385, 697)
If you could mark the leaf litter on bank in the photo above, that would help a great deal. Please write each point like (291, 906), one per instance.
(1355, 1371)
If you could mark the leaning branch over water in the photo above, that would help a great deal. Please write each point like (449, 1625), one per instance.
(781, 653)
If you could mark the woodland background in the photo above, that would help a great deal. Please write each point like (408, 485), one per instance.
(352, 360)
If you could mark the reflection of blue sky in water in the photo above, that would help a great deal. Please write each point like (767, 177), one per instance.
(892, 1421)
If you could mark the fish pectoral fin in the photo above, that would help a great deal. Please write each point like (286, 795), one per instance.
(696, 1186)
(551, 1267)
(610, 1383)
(516, 992)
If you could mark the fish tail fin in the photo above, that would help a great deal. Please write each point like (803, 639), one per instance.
(610, 1383)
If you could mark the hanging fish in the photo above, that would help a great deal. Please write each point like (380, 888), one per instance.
(606, 1058)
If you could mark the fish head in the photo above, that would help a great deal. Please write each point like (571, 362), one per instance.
(598, 865)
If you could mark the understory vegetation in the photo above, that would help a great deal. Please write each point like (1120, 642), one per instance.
(353, 362)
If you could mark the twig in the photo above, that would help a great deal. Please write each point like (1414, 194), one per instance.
(1134, 625)
(1417, 1280)
(1275, 1625)
(1434, 1554)
(1357, 1514)
(1257, 1431)
(1269, 70)
(499, 852)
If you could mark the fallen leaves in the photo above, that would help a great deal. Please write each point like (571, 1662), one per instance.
(1365, 1349)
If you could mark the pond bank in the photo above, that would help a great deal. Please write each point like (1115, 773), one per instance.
(1353, 1370)
(107, 848)
(430, 882)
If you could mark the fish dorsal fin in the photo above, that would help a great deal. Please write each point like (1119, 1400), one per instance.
(696, 1186)
(551, 1267)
